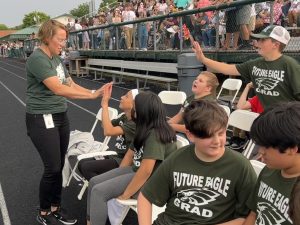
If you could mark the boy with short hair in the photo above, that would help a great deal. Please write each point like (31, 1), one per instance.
(202, 183)
(277, 132)
(274, 75)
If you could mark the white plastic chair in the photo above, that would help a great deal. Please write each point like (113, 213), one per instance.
(243, 120)
(172, 97)
(132, 203)
(181, 142)
(257, 166)
(231, 85)
(226, 108)
(101, 151)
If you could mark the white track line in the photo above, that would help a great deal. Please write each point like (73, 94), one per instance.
(3, 208)
(80, 107)
(18, 67)
(13, 73)
(23, 103)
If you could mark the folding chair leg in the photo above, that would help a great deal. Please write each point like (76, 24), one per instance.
(84, 187)
(73, 174)
(249, 149)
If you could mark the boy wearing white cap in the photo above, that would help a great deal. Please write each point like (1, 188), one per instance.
(275, 76)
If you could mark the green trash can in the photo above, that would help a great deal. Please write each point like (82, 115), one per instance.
(188, 68)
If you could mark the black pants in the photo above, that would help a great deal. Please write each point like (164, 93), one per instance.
(91, 167)
(52, 146)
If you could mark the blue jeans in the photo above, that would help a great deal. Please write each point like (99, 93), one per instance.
(207, 37)
(95, 41)
(142, 35)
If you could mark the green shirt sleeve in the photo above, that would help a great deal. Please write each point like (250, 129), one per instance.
(252, 200)
(41, 69)
(244, 70)
(245, 187)
(153, 148)
(293, 70)
(129, 129)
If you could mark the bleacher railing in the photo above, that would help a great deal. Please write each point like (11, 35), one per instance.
(106, 42)
(111, 37)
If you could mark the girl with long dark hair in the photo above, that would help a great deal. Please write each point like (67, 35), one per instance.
(153, 142)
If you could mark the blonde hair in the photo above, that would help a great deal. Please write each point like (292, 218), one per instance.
(48, 30)
(212, 81)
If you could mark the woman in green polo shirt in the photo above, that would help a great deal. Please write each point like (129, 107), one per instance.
(48, 86)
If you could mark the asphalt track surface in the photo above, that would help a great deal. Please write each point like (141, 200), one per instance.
(20, 165)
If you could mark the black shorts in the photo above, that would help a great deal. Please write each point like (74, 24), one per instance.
(231, 26)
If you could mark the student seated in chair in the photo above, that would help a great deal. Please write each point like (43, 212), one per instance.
(123, 128)
(203, 183)
(203, 87)
(238, 140)
(277, 132)
(154, 141)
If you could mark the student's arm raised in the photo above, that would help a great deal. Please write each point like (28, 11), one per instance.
(108, 128)
(226, 69)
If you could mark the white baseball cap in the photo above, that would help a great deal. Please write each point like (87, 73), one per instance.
(278, 33)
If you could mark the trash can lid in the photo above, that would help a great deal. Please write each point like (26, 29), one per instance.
(188, 59)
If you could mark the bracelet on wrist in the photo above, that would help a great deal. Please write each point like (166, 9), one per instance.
(93, 91)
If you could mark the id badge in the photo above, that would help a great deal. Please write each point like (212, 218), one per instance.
(48, 121)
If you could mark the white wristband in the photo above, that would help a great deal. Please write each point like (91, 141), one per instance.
(93, 91)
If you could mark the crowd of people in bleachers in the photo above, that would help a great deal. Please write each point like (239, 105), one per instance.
(4, 50)
(10, 48)
(235, 25)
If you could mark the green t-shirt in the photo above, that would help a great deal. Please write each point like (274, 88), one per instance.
(270, 199)
(152, 149)
(39, 99)
(123, 141)
(192, 97)
(274, 81)
(198, 192)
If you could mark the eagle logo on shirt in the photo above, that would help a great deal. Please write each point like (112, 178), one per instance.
(138, 156)
(197, 196)
(268, 215)
(266, 83)
(61, 73)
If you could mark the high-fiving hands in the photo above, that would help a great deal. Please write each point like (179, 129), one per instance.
(198, 51)
(106, 94)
